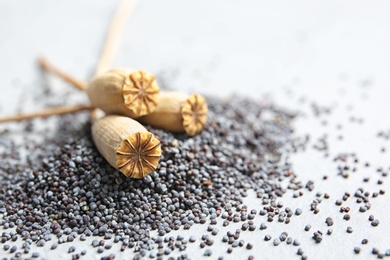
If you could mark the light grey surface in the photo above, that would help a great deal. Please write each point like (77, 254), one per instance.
(335, 53)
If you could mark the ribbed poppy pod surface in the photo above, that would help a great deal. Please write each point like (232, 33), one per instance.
(127, 145)
(178, 112)
(122, 91)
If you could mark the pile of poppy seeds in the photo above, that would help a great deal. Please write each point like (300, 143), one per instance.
(63, 191)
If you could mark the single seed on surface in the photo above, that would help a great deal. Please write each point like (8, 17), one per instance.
(13, 249)
(329, 221)
(307, 227)
(362, 209)
(296, 242)
(349, 229)
(375, 223)
(208, 252)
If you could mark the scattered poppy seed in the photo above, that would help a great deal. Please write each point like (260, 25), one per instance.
(329, 221)
(263, 226)
(347, 217)
(208, 252)
(375, 223)
(95, 243)
(54, 246)
(307, 227)
(296, 242)
(317, 236)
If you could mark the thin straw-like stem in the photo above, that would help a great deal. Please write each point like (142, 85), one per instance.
(112, 40)
(123, 12)
(45, 64)
(111, 43)
(46, 112)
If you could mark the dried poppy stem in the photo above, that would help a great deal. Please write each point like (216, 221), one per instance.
(45, 113)
(122, 91)
(123, 12)
(178, 112)
(45, 64)
(126, 145)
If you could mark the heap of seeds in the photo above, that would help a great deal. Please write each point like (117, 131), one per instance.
(65, 188)
(58, 190)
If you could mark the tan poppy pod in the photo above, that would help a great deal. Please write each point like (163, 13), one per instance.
(123, 91)
(178, 112)
(126, 145)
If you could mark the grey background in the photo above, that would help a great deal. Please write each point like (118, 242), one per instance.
(334, 53)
